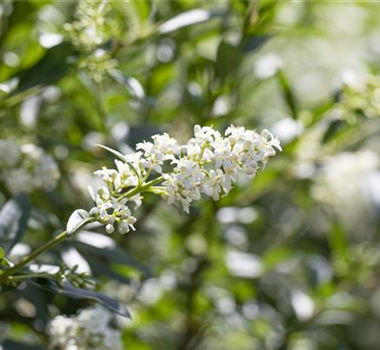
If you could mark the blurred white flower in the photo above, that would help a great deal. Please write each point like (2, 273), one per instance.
(303, 305)
(344, 183)
(268, 65)
(26, 167)
(89, 330)
(244, 264)
(287, 129)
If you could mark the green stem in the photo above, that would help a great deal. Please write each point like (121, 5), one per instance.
(32, 275)
(140, 189)
(26, 260)
(146, 175)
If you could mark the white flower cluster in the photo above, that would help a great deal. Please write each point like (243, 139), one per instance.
(208, 164)
(211, 163)
(26, 167)
(89, 330)
(90, 29)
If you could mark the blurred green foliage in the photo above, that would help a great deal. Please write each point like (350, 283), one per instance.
(289, 261)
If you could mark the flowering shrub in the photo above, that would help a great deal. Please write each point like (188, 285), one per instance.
(151, 118)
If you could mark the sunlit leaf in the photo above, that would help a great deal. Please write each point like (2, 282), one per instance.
(13, 221)
(132, 84)
(187, 18)
(78, 218)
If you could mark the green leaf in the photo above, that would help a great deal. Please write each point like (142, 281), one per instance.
(227, 60)
(78, 218)
(79, 293)
(254, 42)
(186, 19)
(288, 93)
(132, 84)
(3, 260)
(144, 9)
(333, 129)
(122, 157)
(13, 221)
(113, 254)
(13, 345)
(50, 68)
(116, 153)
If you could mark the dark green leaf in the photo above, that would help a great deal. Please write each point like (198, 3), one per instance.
(13, 345)
(114, 254)
(78, 293)
(13, 221)
(104, 269)
(254, 42)
(52, 66)
(227, 60)
(334, 128)
(288, 93)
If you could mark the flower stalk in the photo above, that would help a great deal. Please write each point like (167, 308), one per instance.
(33, 255)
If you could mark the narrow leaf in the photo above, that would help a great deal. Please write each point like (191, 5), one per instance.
(333, 130)
(114, 152)
(131, 83)
(187, 18)
(288, 93)
(77, 219)
(115, 254)
(55, 65)
(79, 293)
(13, 221)
(14, 345)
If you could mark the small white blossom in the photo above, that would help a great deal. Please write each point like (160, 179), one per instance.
(216, 184)
(110, 211)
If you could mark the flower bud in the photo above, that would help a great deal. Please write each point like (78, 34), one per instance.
(110, 229)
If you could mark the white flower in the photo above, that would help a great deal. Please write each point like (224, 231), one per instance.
(215, 184)
(26, 167)
(46, 173)
(89, 330)
(268, 65)
(167, 145)
(19, 181)
(153, 157)
(204, 135)
(110, 211)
